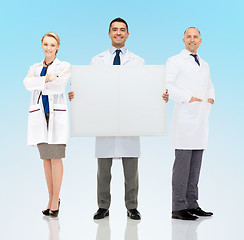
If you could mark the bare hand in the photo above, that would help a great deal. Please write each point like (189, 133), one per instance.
(210, 100)
(47, 78)
(195, 99)
(71, 95)
(52, 77)
(165, 96)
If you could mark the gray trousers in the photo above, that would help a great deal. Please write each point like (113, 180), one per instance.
(185, 177)
(130, 166)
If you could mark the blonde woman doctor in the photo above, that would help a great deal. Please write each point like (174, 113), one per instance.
(48, 116)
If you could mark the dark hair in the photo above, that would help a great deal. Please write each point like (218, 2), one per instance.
(119, 20)
(192, 27)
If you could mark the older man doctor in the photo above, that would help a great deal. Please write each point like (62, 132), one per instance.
(189, 85)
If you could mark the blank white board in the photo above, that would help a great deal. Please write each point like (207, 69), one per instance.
(118, 101)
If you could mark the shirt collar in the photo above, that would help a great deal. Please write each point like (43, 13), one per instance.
(56, 61)
(188, 53)
(113, 49)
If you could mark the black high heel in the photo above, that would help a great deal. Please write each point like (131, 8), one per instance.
(46, 212)
(54, 213)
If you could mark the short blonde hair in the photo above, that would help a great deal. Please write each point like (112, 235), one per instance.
(53, 35)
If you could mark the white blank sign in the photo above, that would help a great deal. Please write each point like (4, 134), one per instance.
(118, 101)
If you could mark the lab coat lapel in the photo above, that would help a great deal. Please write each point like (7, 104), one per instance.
(201, 63)
(38, 69)
(55, 62)
(187, 56)
(105, 58)
(128, 57)
(53, 67)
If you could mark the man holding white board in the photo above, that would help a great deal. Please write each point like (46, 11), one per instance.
(109, 148)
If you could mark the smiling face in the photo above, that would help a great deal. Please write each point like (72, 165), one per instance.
(192, 40)
(50, 47)
(118, 34)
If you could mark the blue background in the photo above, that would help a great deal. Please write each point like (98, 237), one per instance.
(156, 31)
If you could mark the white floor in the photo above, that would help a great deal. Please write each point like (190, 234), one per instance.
(24, 195)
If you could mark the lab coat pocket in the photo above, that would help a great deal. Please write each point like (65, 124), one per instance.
(191, 110)
(60, 123)
(37, 125)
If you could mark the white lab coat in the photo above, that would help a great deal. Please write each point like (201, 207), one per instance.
(117, 147)
(184, 79)
(57, 132)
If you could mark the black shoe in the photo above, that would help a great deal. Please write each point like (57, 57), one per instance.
(133, 214)
(101, 213)
(183, 215)
(46, 212)
(199, 212)
(54, 213)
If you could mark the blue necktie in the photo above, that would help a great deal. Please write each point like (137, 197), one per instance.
(117, 57)
(196, 60)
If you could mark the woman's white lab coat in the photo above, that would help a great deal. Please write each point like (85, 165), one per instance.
(184, 79)
(117, 147)
(57, 132)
